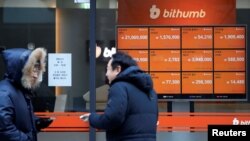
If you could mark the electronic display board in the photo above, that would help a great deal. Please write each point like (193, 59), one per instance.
(190, 62)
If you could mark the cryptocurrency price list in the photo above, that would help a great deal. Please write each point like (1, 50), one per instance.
(190, 62)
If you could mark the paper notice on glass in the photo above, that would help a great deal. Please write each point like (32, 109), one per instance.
(59, 69)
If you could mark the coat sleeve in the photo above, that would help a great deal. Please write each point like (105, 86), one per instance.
(8, 130)
(115, 111)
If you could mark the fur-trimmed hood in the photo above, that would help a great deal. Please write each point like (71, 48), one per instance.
(20, 63)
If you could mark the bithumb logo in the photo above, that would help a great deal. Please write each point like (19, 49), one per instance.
(242, 122)
(154, 12)
(175, 13)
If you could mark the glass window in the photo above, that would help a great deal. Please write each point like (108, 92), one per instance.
(62, 26)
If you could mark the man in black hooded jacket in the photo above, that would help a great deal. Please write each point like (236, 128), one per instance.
(131, 113)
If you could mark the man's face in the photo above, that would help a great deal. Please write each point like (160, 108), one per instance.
(35, 73)
(31, 77)
(111, 74)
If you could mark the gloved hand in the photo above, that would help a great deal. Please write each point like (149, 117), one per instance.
(42, 123)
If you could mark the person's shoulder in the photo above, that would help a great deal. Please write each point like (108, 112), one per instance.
(4, 83)
(5, 87)
(120, 84)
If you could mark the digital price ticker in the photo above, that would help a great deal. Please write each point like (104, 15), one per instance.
(164, 60)
(197, 37)
(165, 38)
(197, 60)
(230, 37)
(190, 62)
(133, 38)
(230, 60)
(169, 82)
(141, 57)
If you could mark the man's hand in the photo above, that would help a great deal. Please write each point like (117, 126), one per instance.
(42, 123)
(85, 117)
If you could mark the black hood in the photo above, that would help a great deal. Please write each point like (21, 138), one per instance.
(15, 60)
(136, 77)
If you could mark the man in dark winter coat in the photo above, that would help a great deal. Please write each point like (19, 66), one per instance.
(24, 72)
(131, 113)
